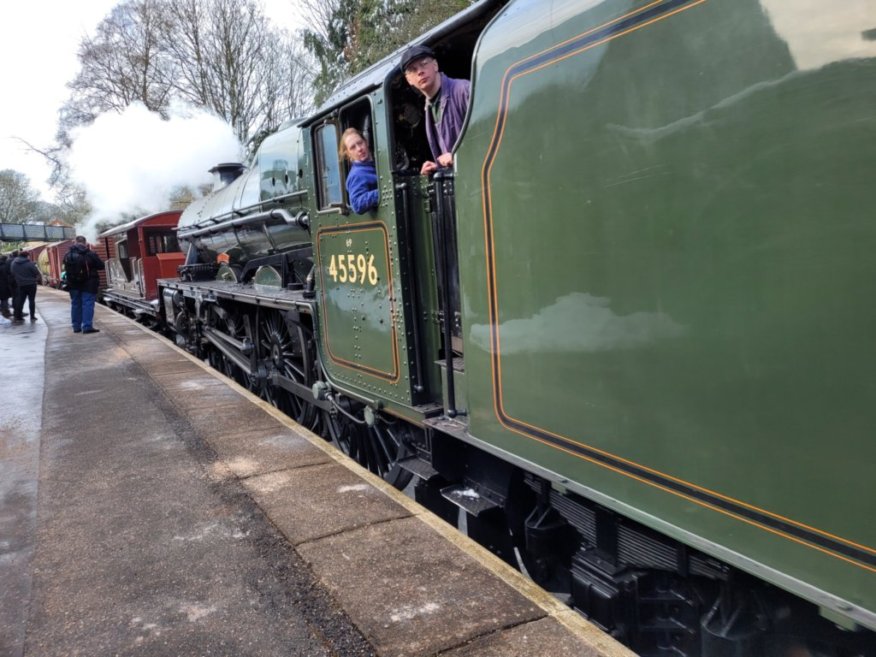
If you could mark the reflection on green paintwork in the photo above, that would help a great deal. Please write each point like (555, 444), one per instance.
(580, 322)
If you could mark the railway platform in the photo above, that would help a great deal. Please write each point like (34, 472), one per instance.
(150, 506)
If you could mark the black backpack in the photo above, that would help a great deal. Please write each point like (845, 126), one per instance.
(76, 267)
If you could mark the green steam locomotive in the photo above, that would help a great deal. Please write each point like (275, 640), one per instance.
(627, 334)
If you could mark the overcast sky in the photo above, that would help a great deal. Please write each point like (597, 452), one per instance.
(38, 44)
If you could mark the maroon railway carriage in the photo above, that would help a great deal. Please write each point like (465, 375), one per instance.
(137, 254)
(54, 262)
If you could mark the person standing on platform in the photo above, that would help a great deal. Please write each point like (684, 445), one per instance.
(4, 285)
(82, 267)
(10, 277)
(26, 276)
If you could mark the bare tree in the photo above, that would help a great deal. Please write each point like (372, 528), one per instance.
(232, 61)
(319, 14)
(19, 202)
(125, 61)
(71, 203)
(289, 81)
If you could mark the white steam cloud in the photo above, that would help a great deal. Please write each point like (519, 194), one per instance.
(131, 162)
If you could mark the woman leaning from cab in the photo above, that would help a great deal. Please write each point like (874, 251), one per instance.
(362, 179)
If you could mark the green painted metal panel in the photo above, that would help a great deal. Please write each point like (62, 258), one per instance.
(364, 310)
(356, 299)
(664, 215)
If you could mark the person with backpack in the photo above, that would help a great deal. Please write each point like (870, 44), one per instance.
(81, 267)
(26, 276)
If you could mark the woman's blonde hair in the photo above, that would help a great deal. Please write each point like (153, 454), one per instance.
(342, 148)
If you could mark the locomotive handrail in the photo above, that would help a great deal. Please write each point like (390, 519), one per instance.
(404, 190)
(444, 272)
(300, 220)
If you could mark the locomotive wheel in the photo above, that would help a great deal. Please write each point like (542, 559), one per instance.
(378, 448)
(385, 446)
(290, 357)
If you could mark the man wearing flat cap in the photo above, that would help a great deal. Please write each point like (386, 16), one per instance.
(446, 103)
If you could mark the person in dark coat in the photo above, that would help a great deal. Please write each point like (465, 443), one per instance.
(27, 277)
(446, 104)
(4, 285)
(83, 293)
(10, 279)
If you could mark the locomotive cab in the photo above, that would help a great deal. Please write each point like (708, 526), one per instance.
(432, 202)
(401, 340)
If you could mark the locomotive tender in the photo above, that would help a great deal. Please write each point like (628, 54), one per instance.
(629, 334)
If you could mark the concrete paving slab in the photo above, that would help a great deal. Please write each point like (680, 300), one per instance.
(21, 352)
(187, 387)
(205, 397)
(160, 361)
(237, 417)
(152, 347)
(541, 638)
(410, 592)
(261, 452)
(310, 503)
(175, 378)
(154, 355)
(177, 364)
(138, 550)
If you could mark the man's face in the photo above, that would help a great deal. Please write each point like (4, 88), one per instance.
(422, 74)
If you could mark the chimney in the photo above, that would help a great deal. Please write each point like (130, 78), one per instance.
(226, 173)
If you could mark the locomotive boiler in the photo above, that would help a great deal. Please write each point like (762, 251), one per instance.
(627, 335)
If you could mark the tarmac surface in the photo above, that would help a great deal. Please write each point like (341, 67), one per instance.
(149, 506)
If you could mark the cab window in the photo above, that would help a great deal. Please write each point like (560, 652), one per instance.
(328, 166)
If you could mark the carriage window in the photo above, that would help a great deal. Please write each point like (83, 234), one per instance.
(164, 242)
(329, 166)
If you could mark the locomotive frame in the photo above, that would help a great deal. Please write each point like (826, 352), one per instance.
(411, 336)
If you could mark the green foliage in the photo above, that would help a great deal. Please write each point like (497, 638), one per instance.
(348, 36)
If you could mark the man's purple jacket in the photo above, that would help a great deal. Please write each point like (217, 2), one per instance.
(452, 105)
